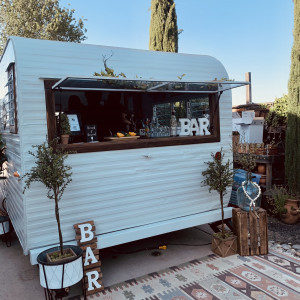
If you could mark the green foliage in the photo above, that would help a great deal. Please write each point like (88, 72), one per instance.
(247, 161)
(218, 176)
(280, 195)
(163, 26)
(181, 76)
(39, 19)
(292, 146)
(109, 72)
(64, 125)
(50, 170)
(277, 115)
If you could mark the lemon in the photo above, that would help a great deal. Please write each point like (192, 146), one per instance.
(132, 133)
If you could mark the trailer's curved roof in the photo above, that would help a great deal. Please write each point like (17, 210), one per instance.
(55, 59)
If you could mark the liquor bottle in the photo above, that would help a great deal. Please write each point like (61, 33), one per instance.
(173, 127)
(147, 128)
(133, 124)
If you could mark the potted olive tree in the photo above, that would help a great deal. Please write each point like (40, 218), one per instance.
(64, 129)
(50, 169)
(219, 176)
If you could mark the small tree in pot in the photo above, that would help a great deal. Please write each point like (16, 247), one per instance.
(64, 128)
(219, 176)
(51, 170)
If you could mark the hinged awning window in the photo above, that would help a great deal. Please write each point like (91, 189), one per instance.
(139, 85)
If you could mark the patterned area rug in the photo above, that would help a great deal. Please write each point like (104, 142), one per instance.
(272, 276)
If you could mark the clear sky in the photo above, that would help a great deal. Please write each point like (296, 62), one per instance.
(246, 36)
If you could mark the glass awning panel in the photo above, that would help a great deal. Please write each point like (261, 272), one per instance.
(140, 85)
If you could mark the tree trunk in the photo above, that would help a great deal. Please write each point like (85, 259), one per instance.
(58, 224)
(222, 207)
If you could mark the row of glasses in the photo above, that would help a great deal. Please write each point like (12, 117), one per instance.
(159, 131)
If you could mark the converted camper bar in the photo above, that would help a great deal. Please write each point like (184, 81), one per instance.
(133, 187)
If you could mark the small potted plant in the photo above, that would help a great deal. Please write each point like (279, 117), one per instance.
(286, 205)
(50, 169)
(219, 176)
(64, 129)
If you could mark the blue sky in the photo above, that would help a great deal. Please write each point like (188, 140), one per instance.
(246, 36)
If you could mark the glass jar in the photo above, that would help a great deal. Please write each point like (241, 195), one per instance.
(252, 191)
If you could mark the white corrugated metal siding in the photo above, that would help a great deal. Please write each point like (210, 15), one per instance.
(116, 189)
(12, 188)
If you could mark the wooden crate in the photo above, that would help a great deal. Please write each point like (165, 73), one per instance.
(251, 229)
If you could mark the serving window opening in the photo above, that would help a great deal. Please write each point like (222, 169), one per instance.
(116, 119)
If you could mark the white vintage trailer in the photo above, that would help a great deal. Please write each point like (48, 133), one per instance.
(132, 190)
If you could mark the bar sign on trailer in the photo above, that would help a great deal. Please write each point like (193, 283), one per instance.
(87, 241)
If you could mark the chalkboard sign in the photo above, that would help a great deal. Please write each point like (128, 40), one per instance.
(91, 133)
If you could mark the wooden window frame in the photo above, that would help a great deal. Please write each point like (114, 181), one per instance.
(132, 144)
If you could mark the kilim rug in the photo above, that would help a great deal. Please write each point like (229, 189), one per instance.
(272, 276)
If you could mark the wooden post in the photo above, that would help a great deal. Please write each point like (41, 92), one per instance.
(248, 88)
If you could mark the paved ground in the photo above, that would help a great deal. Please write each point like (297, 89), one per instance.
(19, 279)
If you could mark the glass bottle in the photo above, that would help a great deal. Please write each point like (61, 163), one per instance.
(252, 191)
(147, 128)
(173, 123)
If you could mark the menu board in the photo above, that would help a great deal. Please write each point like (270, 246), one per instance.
(74, 124)
(91, 133)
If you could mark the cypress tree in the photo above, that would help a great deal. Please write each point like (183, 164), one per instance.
(163, 26)
(292, 153)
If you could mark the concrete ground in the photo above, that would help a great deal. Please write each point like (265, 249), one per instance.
(20, 280)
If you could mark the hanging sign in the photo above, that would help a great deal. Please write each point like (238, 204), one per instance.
(87, 241)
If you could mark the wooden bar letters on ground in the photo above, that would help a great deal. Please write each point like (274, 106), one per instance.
(87, 241)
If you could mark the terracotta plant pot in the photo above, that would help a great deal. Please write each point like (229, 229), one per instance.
(292, 216)
(263, 179)
(224, 247)
(261, 168)
(64, 139)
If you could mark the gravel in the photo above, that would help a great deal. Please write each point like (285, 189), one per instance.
(284, 237)
(283, 233)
